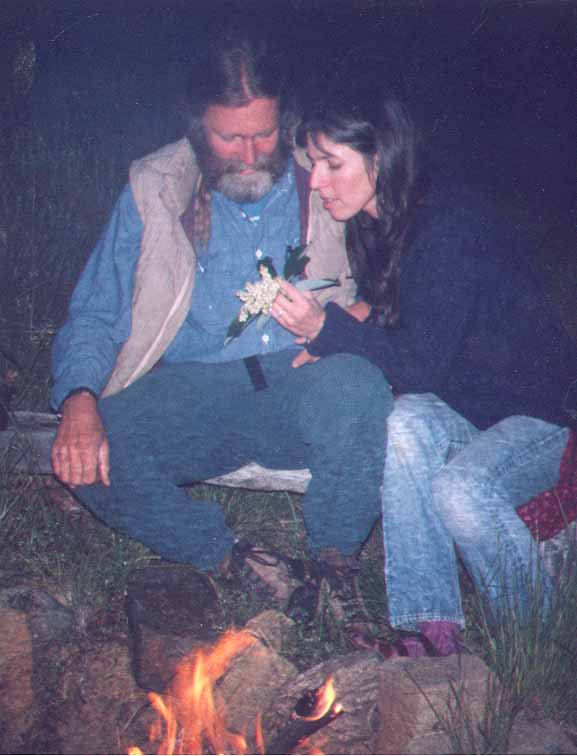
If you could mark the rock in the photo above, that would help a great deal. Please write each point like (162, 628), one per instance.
(33, 625)
(415, 693)
(171, 609)
(97, 707)
(16, 665)
(271, 627)
(49, 620)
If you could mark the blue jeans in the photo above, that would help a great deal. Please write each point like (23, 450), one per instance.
(193, 421)
(446, 483)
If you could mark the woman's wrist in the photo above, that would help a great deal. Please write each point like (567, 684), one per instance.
(312, 336)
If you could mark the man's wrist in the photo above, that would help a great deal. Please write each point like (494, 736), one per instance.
(77, 391)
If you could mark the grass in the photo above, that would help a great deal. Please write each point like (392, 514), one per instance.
(531, 651)
(533, 647)
(77, 560)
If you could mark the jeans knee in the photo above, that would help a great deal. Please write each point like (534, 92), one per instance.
(410, 431)
(455, 496)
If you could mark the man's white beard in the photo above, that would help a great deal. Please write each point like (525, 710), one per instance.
(226, 175)
(245, 188)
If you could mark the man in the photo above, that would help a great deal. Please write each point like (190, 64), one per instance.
(159, 290)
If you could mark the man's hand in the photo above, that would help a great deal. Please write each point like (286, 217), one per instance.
(80, 450)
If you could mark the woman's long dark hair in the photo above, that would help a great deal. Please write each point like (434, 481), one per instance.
(380, 128)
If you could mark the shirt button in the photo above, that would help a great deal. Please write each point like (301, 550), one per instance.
(265, 338)
(258, 254)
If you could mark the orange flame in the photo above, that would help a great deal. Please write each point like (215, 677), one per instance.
(325, 699)
(191, 717)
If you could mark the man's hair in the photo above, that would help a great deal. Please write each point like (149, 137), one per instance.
(237, 65)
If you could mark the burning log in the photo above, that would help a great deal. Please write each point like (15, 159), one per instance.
(193, 715)
(314, 710)
(356, 679)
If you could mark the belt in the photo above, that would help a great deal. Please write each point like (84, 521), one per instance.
(255, 372)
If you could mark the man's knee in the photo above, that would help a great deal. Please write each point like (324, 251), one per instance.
(348, 378)
(348, 398)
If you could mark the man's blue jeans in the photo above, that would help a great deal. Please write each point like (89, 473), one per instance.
(192, 421)
(447, 483)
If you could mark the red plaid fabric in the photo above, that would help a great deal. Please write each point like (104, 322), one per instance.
(551, 511)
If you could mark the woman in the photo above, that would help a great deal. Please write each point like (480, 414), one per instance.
(455, 318)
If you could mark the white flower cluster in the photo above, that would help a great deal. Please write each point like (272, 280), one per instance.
(259, 296)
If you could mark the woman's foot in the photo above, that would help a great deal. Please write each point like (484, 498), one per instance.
(438, 638)
(443, 635)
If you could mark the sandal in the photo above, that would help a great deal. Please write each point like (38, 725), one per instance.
(406, 644)
(330, 591)
(339, 585)
(271, 573)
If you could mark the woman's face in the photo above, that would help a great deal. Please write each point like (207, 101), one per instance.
(342, 179)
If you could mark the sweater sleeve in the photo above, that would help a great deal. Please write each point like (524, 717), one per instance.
(439, 291)
(99, 317)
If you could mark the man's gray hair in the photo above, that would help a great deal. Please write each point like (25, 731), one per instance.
(235, 67)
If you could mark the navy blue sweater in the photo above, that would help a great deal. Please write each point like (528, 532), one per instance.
(475, 327)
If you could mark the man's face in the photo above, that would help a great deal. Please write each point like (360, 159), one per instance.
(242, 156)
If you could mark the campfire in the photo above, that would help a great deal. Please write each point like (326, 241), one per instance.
(192, 714)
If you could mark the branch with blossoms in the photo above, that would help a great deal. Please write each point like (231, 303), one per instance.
(258, 296)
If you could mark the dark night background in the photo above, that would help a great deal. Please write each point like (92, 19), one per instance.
(492, 82)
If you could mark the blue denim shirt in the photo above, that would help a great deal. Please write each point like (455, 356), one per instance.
(241, 236)
(99, 318)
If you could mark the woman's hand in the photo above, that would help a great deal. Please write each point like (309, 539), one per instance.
(301, 314)
(303, 358)
(359, 310)
(298, 312)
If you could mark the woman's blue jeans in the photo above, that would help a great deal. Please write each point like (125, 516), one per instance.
(448, 483)
(193, 421)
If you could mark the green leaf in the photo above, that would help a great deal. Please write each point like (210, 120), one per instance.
(236, 327)
(267, 263)
(296, 261)
(311, 284)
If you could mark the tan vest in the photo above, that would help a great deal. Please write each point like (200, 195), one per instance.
(162, 184)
